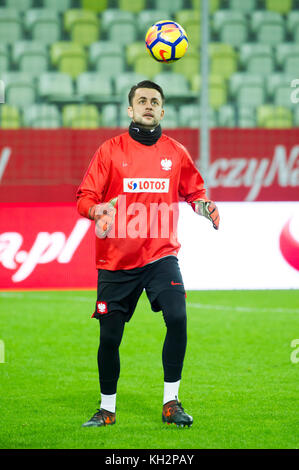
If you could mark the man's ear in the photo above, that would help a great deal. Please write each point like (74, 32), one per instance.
(130, 112)
(162, 113)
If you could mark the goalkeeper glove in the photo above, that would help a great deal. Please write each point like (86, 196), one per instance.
(209, 210)
(103, 215)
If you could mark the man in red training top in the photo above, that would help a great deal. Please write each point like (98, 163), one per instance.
(132, 189)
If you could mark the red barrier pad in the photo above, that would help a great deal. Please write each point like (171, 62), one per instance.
(46, 246)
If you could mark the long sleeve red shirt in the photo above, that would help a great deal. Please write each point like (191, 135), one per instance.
(148, 181)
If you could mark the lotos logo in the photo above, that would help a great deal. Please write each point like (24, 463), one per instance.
(146, 185)
(132, 185)
(289, 245)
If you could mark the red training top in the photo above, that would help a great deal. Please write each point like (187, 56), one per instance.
(149, 181)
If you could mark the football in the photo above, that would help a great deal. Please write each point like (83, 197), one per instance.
(166, 41)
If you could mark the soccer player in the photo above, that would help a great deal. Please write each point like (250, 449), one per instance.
(131, 190)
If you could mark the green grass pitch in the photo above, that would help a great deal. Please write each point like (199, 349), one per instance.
(240, 379)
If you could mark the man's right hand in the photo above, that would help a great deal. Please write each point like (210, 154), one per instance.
(104, 216)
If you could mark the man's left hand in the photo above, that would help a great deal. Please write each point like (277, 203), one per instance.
(209, 210)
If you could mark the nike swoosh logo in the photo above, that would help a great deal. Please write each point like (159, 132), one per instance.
(162, 52)
(176, 283)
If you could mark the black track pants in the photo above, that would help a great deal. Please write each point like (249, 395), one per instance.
(173, 306)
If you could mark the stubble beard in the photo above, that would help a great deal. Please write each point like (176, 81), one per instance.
(144, 125)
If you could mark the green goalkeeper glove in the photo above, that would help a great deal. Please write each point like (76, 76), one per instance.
(209, 210)
(103, 215)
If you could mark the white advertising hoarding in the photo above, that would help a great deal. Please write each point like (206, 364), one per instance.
(256, 247)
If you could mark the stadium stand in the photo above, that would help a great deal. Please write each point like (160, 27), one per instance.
(55, 53)
(10, 117)
(80, 116)
(42, 116)
(43, 25)
(30, 56)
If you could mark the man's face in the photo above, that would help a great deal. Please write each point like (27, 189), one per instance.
(146, 109)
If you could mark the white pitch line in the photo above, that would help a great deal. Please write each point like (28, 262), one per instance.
(223, 308)
(234, 308)
(21, 295)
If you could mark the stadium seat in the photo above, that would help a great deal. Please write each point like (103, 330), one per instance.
(190, 20)
(19, 88)
(213, 5)
(245, 7)
(10, 26)
(124, 122)
(43, 25)
(248, 90)
(190, 116)
(69, 57)
(110, 115)
(174, 85)
(55, 87)
(4, 58)
(94, 5)
(287, 56)
(108, 57)
(148, 66)
(274, 117)
(192, 28)
(257, 58)
(139, 59)
(80, 116)
(124, 82)
(10, 117)
(95, 87)
(57, 5)
(268, 26)
(171, 6)
(246, 117)
(20, 5)
(42, 116)
(279, 6)
(134, 50)
(217, 89)
(231, 26)
(171, 117)
(147, 18)
(226, 116)
(119, 24)
(82, 25)
(223, 59)
(185, 15)
(135, 6)
(296, 116)
(279, 90)
(189, 66)
(30, 56)
(112, 15)
(293, 25)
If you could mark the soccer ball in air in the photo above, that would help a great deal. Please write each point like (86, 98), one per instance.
(166, 41)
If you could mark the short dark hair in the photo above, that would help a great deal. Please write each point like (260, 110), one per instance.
(145, 84)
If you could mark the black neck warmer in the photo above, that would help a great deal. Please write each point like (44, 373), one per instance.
(145, 136)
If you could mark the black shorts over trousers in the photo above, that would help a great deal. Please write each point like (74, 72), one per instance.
(118, 294)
